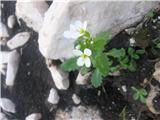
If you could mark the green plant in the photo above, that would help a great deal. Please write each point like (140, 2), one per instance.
(139, 94)
(91, 56)
(156, 43)
(150, 14)
(122, 115)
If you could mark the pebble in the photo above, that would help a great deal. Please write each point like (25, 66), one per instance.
(7, 105)
(12, 67)
(53, 97)
(11, 21)
(132, 41)
(76, 99)
(158, 17)
(124, 88)
(3, 116)
(82, 80)
(3, 31)
(34, 116)
(18, 40)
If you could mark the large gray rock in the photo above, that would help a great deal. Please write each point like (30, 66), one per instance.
(100, 15)
(32, 12)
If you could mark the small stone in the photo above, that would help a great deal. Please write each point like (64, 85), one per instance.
(158, 17)
(3, 116)
(116, 73)
(76, 99)
(154, 21)
(18, 40)
(124, 88)
(82, 80)
(7, 105)
(12, 67)
(60, 77)
(4, 57)
(133, 118)
(11, 21)
(34, 116)
(3, 31)
(53, 96)
(132, 41)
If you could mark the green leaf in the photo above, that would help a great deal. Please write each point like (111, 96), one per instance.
(142, 99)
(122, 115)
(135, 56)
(117, 53)
(84, 70)
(96, 79)
(100, 41)
(134, 89)
(130, 51)
(143, 92)
(140, 52)
(69, 65)
(102, 64)
(150, 14)
(158, 45)
(132, 66)
(136, 96)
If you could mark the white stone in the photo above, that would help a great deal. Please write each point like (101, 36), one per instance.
(60, 77)
(34, 116)
(3, 31)
(76, 99)
(11, 21)
(132, 41)
(3, 116)
(32, 12)
(79, 113)
(4, 57)
(7, 105)
(3, 68)
(107, 16)
(82, 80)
(12, 67)
(53, 96)
(18, 40)
(124, 88)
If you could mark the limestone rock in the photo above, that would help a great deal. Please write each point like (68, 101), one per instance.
(53, 96)
(7, 105)
(60, 77)
(4, 57)
(82, 80)
(76, 99)
(3, 31)
(11, 21)
(18, 40)
(80, 112)
(3, 116)
(32, 12)
(107, 16)
(12, 67)
(34, 116)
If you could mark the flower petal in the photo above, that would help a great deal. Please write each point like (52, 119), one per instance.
(78, 24)
(80, 61)
(87, 51)
(77, 52)
(87, 62)
(72, 27)
(67, 34)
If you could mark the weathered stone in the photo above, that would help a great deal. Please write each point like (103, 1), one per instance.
(107, 16)
(34, 116)
(32, 12)
(7, 105)
(82, 80)
(53, 96)
(3, 31)
(18, 40)
(11, 21)
(3, 116)
(60, 77)
(12, 67)
(4, 57)
(79, 113)
(76, 99)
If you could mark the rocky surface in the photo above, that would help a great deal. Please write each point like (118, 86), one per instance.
(61, 14)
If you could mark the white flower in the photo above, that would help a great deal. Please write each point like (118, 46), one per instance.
(84, 57)
(132, 41)
(76, 30)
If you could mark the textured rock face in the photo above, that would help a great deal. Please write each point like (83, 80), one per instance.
(79, 113)
(32, 12)
(107, 16)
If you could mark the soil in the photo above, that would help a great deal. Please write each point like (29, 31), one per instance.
(33, 80)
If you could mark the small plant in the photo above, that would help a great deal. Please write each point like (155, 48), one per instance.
(139, 94)
(122, 115)
(90, 54)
